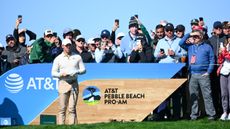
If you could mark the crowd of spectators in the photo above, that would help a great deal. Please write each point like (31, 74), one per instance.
(162, 45)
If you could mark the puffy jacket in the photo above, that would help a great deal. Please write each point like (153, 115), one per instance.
(41, 51)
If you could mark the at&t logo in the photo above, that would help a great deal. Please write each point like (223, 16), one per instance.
(14, 83)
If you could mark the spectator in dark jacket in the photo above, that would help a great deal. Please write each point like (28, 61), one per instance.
(141, 52)
(13, 51)
(216, 39)
(79, 49)
(3, 61)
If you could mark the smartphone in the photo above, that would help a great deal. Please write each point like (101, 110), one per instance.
(103, 43)
(162, 50)
(138, 42)
(117, 22)
(20, 18)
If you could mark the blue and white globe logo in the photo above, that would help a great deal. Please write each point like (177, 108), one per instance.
(14, 83)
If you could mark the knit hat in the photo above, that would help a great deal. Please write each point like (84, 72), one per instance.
(133, 22)
(80, 37)
(217, 24)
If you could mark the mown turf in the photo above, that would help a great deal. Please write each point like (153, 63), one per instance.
(183, 124)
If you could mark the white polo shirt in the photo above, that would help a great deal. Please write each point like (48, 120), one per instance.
(70, 64)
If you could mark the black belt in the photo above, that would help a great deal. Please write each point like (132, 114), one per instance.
(70, 81)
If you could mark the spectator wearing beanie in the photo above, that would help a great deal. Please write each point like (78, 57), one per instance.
(128, 42)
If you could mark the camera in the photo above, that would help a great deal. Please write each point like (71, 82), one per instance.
(104, 43)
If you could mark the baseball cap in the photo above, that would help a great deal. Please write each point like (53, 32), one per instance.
(9, 36)
(67, 30)
(169, 26)
(90, 41)
(66, 42)
(217, 24)
(194, 22)
(105, 33)
(76, 32)
(80, 37)
(97, 39)
(120, 34)
(48, 32)
(180, 28)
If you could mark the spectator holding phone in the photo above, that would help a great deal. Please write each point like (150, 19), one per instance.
(140, 52)
(20, 34)
(115, 27)
(107, 51)
(80, 49)
(224, 60)
(168, 49)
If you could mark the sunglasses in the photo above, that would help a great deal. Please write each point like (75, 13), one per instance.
(168, 30)
(195, 36)
(104, 37)
(49, 35)
(178, 31)
(81, 40)
(218, 28)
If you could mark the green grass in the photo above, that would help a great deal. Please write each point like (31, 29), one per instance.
(183, 124)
